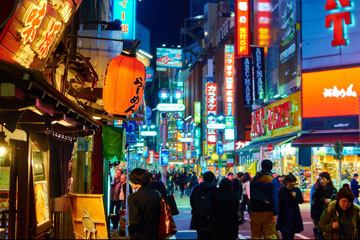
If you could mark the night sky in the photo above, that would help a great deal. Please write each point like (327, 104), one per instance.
(164, 19)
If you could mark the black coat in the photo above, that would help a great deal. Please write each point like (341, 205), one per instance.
(318, 201)
(144, 214)
(289, 217)
(225, 215)
(159, 186)
(199, 222)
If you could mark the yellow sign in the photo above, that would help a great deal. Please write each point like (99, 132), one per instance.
(277, 119)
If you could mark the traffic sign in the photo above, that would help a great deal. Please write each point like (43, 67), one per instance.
(270, 147)
(156, 156)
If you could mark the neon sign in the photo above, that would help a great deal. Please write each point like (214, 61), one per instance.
(229, 82)
(262, 37)
(336, 20)
(242, 28)
(211, 107)
(335, 92)
(125, 11)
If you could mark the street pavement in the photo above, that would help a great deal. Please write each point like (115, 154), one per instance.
(183, 221)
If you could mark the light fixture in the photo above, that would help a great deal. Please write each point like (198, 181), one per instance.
(220, 118)
(3, 144)
(211, 117)
(163, 45)
(164, 94)
(188, 118)
(178, 94)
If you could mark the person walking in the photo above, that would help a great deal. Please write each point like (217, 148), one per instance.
(225, 212)
(324, 193)
(354, 184)
(289, 220)
(341, 218)
(144, 207)
(245, 203)
(264, 191)
(122, 194)
(114, 199)
(202, 207)
(181, 182)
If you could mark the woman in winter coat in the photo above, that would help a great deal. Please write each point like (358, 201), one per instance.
(289, 219)
(341, 219)
(225, 212)
(324, 193)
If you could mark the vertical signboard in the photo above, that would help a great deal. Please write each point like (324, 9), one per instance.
(229, 86)
(262, 21)
(211, 109)
(164, 156)
(125, 11)
(242, 28)
(288, 67)
(151, 156)
(259, 72)
(247, 76)
(197, 112)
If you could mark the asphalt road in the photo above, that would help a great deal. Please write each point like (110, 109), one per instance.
(183, 222)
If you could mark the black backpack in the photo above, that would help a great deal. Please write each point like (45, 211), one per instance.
(203, 206)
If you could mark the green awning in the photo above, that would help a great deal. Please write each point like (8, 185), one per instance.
(113, 139)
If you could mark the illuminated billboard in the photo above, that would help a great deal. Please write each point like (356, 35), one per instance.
(125, 11)
(229, 82)
(331, 93)
(169, 57)
(242, 28)
(330, 33)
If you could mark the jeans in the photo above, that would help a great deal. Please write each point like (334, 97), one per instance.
(115, 220)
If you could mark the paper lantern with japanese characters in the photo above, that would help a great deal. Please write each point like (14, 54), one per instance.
(124, 85)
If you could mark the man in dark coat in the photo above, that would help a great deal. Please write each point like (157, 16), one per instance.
(355, 188)
(202, 204)
(144, 207)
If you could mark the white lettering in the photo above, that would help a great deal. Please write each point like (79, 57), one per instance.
(335, 92)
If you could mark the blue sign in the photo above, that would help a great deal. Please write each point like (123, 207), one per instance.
(149, 74)
(164, 156)
(125, 11)
(219, 148)
(168, 57)
(179, 124)
(130, 127)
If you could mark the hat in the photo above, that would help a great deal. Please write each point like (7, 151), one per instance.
(325, 175)
(345, 192)
(266, 164)
(356, 175)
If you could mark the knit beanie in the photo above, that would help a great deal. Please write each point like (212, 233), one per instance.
(266, 164)
(345, 192)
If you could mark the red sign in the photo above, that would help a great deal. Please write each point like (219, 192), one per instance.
(185, 162)
(335, 20)
(156, 156)
(151, 156)
(270, 148)
(211, 107)
(262, 23)
(331, 93)
(34, 30)
(242, 28)
(274, 118)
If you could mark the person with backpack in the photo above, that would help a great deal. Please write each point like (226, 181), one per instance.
(202, 207)
(264, 191)
(225, 211)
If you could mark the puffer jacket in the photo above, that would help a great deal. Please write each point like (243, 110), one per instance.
(330, 215)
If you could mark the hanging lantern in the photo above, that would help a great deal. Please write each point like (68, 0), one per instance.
(124, 85)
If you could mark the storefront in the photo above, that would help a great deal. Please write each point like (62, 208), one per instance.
(272, 130)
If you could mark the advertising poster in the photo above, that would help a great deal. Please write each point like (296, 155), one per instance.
(288, 58)
(246, 72)
(168, 57)
(125, 11)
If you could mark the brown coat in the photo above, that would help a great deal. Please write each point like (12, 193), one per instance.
(330, 215)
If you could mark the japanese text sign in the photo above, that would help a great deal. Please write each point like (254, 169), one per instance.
(35, 30)
(211, 98)
(331, 93)
(262, 22)
(125, 11)
(242, 28)
(229, 80)
(197, 112)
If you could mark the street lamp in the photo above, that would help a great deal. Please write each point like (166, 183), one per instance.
(164, 94)
(178, 94)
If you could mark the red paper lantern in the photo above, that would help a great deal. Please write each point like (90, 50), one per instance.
(124, 85)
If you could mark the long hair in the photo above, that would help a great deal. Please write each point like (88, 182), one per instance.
(324, 175)
(246, 177)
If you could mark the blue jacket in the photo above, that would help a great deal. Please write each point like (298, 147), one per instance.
(264, 189)
(354, 185)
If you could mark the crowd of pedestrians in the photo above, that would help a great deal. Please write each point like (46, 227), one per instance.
(219, 205)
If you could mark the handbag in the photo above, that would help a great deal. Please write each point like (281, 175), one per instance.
(171, 201)
(167, 227)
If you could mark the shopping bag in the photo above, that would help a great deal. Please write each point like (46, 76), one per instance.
(167, 227)
(171, 201)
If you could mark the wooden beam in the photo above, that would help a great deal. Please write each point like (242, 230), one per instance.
(108, 117)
